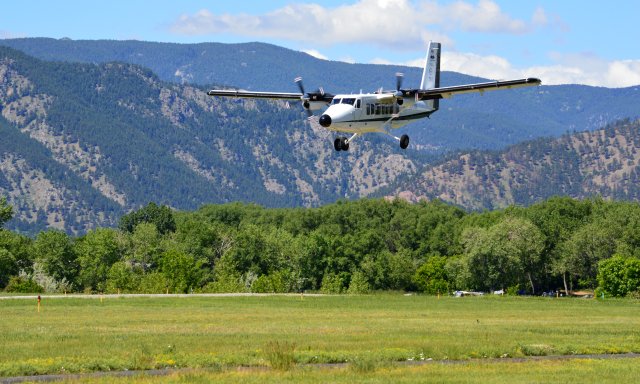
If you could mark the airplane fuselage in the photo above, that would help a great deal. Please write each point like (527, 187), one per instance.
(371, 112)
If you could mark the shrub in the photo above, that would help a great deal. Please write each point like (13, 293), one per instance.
(48, 283)
(226, 284)
(331, 284)
(153, 282)
(277, 282)
(121, 278)
(431, 277)
(359, 284)
(619, 275)
(20, 284)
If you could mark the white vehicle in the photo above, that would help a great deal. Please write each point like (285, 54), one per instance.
(380, 111)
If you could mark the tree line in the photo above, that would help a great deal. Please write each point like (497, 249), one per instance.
(345, 247)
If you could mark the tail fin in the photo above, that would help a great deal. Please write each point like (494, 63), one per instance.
(431, 72)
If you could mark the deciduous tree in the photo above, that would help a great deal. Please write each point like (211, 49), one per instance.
(97, 251)
(54, 250)
(6, 211)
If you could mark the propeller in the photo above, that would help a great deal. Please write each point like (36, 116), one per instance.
(319, 96)
(305, 97)
(298, 80)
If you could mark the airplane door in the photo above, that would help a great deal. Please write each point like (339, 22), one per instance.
(357, 111)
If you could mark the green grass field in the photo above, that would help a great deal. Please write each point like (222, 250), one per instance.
(215, 335)
(575, 371)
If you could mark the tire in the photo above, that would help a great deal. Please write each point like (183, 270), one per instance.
(344, 145)
(404, 141)
(337, 144)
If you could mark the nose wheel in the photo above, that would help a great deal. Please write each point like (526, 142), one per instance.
(341, 144)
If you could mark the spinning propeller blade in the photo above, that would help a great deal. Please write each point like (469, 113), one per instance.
(304, 97)
(298, 80)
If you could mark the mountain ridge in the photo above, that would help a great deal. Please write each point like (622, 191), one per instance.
(604, 162)
(89, 142)
(131, 138)
(492, 121)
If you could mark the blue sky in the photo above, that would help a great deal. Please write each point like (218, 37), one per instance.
(560, 41)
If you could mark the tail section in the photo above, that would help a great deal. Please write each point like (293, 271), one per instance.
(431, 72)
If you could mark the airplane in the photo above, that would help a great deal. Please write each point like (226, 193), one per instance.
(382, 110)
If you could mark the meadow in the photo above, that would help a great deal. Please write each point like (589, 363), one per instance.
(292, 336)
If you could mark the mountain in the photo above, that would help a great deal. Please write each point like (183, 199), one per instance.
(604, 162)
(84, 143)
(493, 121)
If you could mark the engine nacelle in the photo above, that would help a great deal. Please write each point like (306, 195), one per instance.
(313, 105)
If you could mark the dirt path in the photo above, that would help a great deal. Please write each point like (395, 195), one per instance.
(154, 295)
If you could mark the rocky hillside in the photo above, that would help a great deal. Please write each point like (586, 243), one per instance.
(605, 162)
(84, 143)
(493, 121)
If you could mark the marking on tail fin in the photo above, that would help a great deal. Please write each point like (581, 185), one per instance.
(431, 72)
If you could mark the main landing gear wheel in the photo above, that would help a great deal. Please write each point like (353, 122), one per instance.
(341, 144)
(404, 141)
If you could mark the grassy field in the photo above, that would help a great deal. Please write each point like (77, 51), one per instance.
(574, 371)
(215, 335)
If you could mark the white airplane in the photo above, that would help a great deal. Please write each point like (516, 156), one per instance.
(380, 111)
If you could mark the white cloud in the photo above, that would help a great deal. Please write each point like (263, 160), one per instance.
(491, 67)
(584, 68)
(623, 73)
(397, 24)
(486, 16)
(315, 53)
(539, 17)
(407, 24)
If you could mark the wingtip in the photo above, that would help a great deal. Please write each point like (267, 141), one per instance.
(534, 80)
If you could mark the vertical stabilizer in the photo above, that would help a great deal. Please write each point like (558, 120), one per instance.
(431, 72)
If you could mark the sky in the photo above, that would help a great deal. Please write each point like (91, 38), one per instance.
(559, 41)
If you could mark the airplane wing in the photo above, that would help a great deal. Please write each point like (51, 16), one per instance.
(447, 92)
(255, 95)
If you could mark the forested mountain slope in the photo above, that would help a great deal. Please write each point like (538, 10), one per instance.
(605, 162)
(492, 121)
(84, 143)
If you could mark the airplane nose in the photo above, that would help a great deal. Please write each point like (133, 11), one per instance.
(325, 120)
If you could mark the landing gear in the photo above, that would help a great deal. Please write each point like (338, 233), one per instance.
(341, 144)
(404, 141)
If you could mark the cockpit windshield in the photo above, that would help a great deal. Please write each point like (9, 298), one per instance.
(345, 100)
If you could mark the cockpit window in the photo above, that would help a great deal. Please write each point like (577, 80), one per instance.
(336, 101)
(348, 100)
